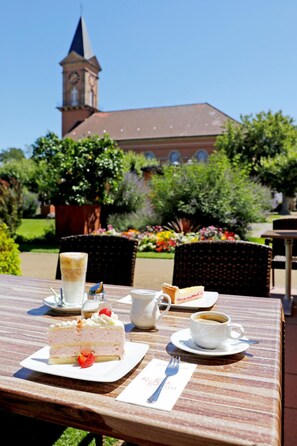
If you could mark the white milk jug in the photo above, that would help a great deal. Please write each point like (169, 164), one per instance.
(145, 310)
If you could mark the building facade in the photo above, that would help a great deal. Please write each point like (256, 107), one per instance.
(173, 134)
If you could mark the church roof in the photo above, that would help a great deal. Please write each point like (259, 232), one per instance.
(148, 123)
(81, 42)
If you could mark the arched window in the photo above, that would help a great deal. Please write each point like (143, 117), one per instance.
(74, 96)
(150, 155)
(201, 156)
(174, 157)
(92, 98)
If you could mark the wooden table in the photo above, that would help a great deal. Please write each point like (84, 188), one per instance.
(288, 235)
(233, 400)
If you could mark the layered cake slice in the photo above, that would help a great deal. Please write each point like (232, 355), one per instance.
(102, 337)
(181, 295)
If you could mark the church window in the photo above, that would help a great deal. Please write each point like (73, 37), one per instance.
(92, 98)
(74, 96)
(201, 156)
(149, 155)
(175, 157)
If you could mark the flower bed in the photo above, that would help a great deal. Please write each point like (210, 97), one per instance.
(158, 239)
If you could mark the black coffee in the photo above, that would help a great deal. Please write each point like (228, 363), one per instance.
(211, 319)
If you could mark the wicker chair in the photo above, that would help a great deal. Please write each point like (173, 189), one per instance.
(111, 258)
(228, 267)
(278, 246)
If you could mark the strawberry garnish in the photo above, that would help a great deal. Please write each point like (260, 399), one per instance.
(86, 360)
(106, 311)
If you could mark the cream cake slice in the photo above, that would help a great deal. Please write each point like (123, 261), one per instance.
(102, 335)
(181, 295)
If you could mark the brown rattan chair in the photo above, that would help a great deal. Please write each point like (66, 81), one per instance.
(111, 258)
(278, 246)
(228, 267)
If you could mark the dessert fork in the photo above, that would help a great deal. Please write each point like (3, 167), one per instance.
(171, 369)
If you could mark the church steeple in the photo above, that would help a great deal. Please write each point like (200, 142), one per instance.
(80, 80)
(81, 42)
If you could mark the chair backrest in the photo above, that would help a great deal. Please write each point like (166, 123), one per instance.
(111, 258)
(228, 267)
(278, 246)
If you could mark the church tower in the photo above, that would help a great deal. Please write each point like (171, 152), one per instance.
(80, 80)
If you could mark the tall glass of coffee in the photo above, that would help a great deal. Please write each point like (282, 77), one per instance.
(73, 270)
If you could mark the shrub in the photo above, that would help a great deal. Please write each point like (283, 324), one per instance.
(9, 253)
(30, 204)
(216, 193)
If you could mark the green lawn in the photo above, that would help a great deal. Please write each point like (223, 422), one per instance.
(32, 228)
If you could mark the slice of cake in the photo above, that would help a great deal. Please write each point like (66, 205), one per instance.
(181, 295)
(101, 335)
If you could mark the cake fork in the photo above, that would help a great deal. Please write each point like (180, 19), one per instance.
(171, 369)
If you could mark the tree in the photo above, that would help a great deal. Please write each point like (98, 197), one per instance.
(274, 170)
(11, 154)
(16, 177)
(80, 172)
(264, 136)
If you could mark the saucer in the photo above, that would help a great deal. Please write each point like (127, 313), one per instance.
(208, 300)
(182, 339)
(52, 304)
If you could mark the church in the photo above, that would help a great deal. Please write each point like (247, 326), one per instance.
(173, 134)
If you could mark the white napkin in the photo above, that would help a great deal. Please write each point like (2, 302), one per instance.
(148, 380)
(126, 300)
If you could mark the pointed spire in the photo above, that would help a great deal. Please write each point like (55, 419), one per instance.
(81, 43)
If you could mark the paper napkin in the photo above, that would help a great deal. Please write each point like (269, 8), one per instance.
(148, 380)
(126, 300)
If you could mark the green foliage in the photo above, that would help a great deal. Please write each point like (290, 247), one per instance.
(217, 193)
(280, 171)
(10, 203)
(30, 204)
(130, 195)
(9, 253)
(87, 171)
(16, 176)
(11, 154)
(265, 135)
(134, 162)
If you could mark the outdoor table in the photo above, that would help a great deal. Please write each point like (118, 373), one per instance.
(288, 235)
(230, 400)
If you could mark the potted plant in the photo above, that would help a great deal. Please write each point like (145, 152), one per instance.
(78, 177)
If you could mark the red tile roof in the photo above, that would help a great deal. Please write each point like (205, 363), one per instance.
(159, 122)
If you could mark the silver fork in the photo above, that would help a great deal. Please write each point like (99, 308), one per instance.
(171, 369)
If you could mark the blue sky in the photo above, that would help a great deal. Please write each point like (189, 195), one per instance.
(238, 55)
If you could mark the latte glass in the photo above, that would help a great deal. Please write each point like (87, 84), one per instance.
(73, 270)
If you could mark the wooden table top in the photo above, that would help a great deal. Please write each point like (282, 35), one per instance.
(232, 400)
(280, 234)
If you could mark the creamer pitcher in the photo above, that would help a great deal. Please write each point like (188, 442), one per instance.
(145, 310)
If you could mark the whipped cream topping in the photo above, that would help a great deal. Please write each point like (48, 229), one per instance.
(96, 319)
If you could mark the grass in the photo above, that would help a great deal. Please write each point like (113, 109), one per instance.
(32, 228)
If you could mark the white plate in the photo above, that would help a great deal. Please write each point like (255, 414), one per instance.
(51, 303)
(108, 371)
(208, 300)
(182, 339)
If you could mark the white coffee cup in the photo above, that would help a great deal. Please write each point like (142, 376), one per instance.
(145, 307)
(212, 329)
(73, 271)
